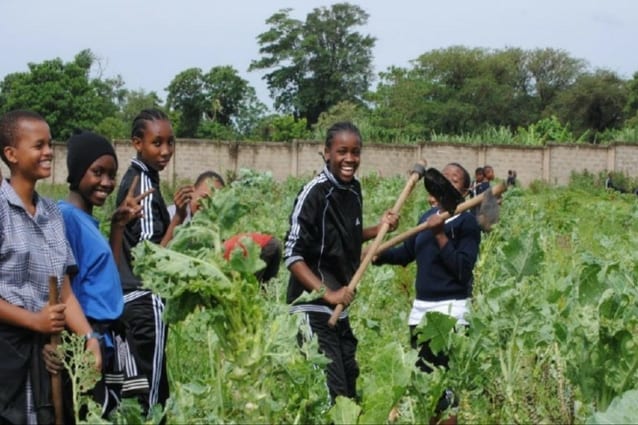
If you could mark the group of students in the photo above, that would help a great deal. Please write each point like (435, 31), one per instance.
(102, 299)
(323, 248)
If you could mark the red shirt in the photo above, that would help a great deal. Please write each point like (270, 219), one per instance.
(260, 239)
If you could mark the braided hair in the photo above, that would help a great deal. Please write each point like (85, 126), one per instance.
(342, 126)
(139, 123)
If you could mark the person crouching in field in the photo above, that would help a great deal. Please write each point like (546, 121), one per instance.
(33, 247)
(270, 253)
(143, 327)
(92, 167)
(322, 250)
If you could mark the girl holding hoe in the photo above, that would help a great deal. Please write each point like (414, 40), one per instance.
(445, 254)
(323, 249)
(33, 248)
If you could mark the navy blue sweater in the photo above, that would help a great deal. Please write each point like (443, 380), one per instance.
(442, 273)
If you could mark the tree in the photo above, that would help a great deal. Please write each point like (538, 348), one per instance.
(594, 103)
(455, 90)
(220, 96)
(65, 94)
(136, 100)
(551, 71)
(317, 63)
(401, 104)
(186, 95)
(130, 104)
(631, 108)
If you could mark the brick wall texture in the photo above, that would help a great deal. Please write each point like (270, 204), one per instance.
(552, 163)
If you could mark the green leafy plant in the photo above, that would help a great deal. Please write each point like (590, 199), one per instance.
(80, 365)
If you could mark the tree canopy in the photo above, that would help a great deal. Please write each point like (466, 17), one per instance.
(65, 94)
(316, 63)
(460, 90)
(319, 69)
(217, 99)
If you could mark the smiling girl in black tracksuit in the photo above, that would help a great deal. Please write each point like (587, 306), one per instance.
(323, 250)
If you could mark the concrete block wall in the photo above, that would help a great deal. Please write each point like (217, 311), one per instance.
(565, 159)
(388, 160)
(552, 163)
(526, 161)
(625, 159)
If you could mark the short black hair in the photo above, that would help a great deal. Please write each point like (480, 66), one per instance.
(466, 176)
(479, 170)
(139, 122)
(9, 123)
(339, 127)
(209, 175)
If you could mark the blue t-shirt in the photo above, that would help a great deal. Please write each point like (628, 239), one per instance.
(97, 283)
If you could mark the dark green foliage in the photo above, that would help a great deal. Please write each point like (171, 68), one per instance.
(65, 94)
(594, 103)
(210, 102)
(316, 63)
(551, 337)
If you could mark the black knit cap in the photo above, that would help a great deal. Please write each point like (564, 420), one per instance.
(82, 150)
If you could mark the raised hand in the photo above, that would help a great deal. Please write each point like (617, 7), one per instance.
(130, 208)
(182, 200)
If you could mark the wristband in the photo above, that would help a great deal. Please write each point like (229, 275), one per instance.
(92, 335)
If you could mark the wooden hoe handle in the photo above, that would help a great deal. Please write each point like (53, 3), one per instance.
(464, 206)
(56, 380)
(415, 175)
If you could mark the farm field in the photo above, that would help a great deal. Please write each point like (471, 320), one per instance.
(553, 335)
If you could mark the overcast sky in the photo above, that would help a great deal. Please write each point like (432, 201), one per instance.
(149, 42)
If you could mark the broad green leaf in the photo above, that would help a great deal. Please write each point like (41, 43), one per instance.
(345, 411)
(436, 328)
(622, 410)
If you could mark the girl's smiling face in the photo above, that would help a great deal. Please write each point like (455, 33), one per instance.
(99, 180)
(344, 155)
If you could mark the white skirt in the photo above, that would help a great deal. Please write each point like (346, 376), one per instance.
(454, 308)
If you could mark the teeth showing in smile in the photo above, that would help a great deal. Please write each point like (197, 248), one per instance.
(101, 194)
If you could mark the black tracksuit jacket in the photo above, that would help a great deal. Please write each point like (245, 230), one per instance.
(153, 224)
(326, 232)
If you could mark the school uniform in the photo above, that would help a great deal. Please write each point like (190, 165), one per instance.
(326, 233)
(144, 329)
(444, 275)
(32, 248)
(97, 287)
(478, 188)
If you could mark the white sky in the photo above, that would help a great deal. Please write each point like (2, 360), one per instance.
(149, 42)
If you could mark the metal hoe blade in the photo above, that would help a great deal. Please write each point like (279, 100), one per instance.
(489, 211)
(440, 187)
